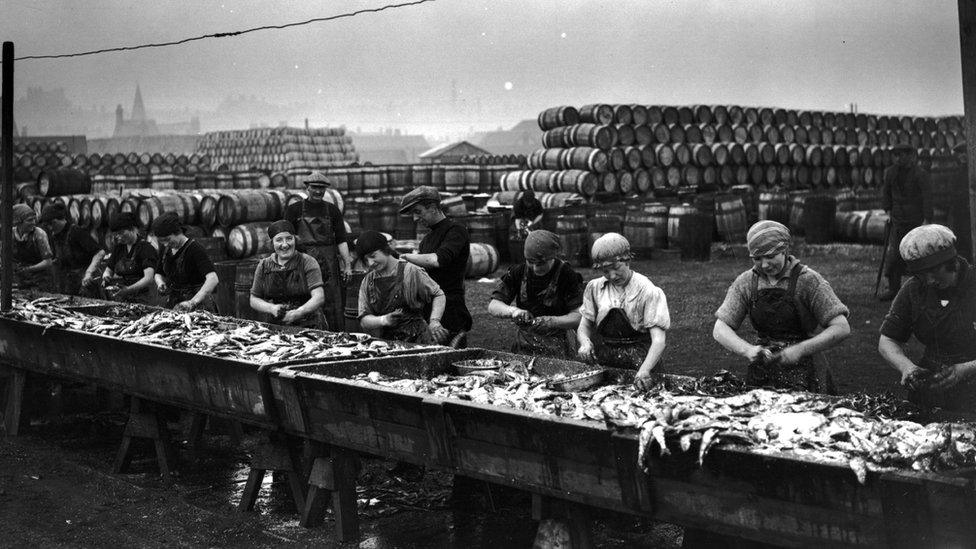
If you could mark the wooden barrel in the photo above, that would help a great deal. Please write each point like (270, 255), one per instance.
(482, 260)
(818, 218)
(574, 238)
(574, 181)
(555, 117)
(481, 227)
(184, 205)
(453, 206)
(676, 213)
(596, 114)
(731, 219)
(243, 279)
(248, 207)
(797, 201)
(641, 228)
(602, 224)
(844, 200)
(774, 206)
(695, 235)
(380, 215)
(248, 239)
(873, 227)
(64, 181)
(351, 307)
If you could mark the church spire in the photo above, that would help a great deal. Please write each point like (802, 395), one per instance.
(138, 110)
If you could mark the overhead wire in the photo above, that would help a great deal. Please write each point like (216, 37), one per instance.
(225, 34)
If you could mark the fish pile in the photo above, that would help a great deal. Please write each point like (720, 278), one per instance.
(204, 333)
(686, 414)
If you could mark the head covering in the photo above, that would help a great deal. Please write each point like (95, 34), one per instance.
(926, 247)
(22, 212)
(768, 237)
(317, 178)
(608, 249)
(166, 224)
(280, 226)
(528, 193)
(370, 241)
(123, 221)
(52, 211)
(418, 195)
(541, 245)
(902, 148)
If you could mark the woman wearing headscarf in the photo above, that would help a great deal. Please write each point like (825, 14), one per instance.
(938, 307)
(33, 259)
(794, 310)
(624, 315)
(547, 294)
(77, 255)
(186, 276)
(287, 284)
(131, 266)
(393, 295)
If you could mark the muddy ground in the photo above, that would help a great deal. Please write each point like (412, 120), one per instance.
(57, 489)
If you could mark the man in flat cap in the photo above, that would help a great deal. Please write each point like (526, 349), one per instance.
(547, 294)
(906, 195)
(322, 235)
(444, 254)
(77, 255)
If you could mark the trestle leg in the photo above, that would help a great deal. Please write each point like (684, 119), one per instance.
(148, 425)
(14, 415)
(333, 481)
(274, 455)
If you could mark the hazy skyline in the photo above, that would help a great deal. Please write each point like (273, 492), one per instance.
(455, 64)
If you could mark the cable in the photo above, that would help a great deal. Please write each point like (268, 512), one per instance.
(225, 34)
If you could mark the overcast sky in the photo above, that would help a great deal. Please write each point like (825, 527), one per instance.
(508, 58)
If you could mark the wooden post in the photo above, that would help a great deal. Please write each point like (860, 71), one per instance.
(7, 194)
(967, 46)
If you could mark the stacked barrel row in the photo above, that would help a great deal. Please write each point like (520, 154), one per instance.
(29, 165)
(397, 179)
(279, 149)
(516, 159)
(633, 149)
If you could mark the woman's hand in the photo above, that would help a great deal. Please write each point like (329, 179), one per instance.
(438, 331)
(914, 377)
(585, 351)
(950, 376)
(644, 380)
(184, 306)
(392, 319)
(790, 356)
(756, 353)
(292, 316)
(521, 316)
(162, 286)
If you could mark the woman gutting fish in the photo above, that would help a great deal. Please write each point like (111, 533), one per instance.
(547, 293)
(937, 306)
(288, 284)
(794, 310)
(131, 266)
(624, 315)
(33, 259)
(393, 295)
(186, 275)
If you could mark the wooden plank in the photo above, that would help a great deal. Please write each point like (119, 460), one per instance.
(15, 416)
(635, 485)
(967, 48)
(439, 438)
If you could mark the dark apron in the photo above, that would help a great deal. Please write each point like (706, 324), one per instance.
(25, 254)
(386, 297)
(776, 317)
(289, 287)
(319, 241)
(179, 293)
(618, 344)
(130, 272)
(539, 342)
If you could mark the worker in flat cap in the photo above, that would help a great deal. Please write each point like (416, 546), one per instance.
(33, 258)
(130, 267)
(906, 194)
(936, 306)
(77, 256)
(186, 276)
(624, 316)
(542, 297)
(794, 310)
(394, 294)
(288, 285)
(444, 254)
(322, 235)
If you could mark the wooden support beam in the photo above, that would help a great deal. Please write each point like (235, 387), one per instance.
(967, 47)
(14, 415)
(148, 425)
(274, 455)
(333, 481)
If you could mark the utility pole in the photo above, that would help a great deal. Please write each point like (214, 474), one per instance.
(7, 195)
(967, 45)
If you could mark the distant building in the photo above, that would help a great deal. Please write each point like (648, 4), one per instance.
(389, 147)
(139, 125)
(451, 153)
(523, 138)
